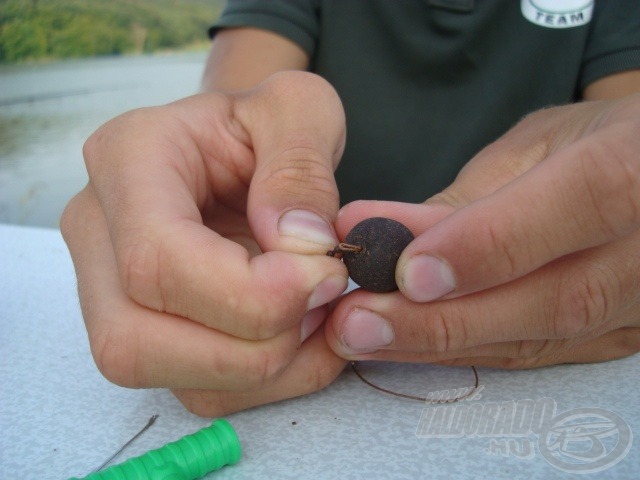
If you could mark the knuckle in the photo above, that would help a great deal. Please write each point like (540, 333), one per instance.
(269, 309)
(118, 358)
(320, 377)
(504, 243)
(451, 197)
(532, 349)
(613, 186)
(503, 160)
(263, 327)
(291, 96)
(266, 318)
(522, 363)
(140, 271)
(303, 168)
(111, 134)
(511, 363)
(583, 303)
(69, 217)
(265, 367)
(304, 88)
(80, 213)
(445, 331)
(91, 146)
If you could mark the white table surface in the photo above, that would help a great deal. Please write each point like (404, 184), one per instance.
(59, 418)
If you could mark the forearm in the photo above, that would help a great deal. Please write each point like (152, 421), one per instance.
(243, 57)
(614, 86)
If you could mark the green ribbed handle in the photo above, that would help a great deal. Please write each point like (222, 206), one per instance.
(189, 458)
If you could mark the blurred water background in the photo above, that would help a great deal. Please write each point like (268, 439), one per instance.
(48, 110)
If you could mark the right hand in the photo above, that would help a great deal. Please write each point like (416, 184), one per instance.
(199, 244)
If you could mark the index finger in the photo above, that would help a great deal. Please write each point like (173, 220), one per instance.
(583, 195)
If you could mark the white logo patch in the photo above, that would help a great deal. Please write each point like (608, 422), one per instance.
(557, 13)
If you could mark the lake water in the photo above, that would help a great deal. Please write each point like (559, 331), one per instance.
(47, 111)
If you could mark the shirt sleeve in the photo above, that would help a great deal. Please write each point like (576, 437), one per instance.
(613, 44)
(297, 20)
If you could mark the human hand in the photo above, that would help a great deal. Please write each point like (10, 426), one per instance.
(530, 258)
(194, 244)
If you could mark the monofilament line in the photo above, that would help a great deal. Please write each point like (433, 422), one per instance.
(354, 366)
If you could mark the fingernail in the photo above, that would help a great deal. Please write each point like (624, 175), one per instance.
(307, 226)
(310, 323)
(327, 290)
(427, 278)
(365, 331)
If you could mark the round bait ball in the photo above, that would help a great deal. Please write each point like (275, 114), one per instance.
(379, 242)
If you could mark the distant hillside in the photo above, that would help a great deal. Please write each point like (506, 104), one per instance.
(35, 29)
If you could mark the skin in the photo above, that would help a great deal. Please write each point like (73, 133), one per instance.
(542, 275)
(192, 276)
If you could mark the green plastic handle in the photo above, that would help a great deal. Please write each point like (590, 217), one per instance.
(189, 458)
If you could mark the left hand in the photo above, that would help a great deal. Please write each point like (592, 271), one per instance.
(530, 258)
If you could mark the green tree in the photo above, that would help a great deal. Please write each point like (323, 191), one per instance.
(21, 40)
(82, 37)
(31, 29)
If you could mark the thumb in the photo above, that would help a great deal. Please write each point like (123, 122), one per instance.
(297, 128)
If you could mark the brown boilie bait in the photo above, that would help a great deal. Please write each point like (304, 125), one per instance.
(371, 251)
